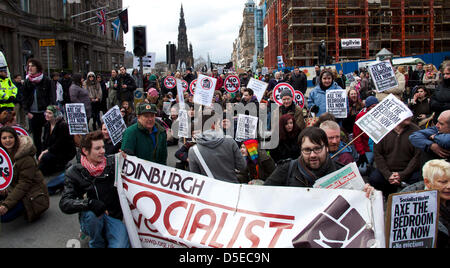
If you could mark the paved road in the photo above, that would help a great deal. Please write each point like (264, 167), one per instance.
(53, 230)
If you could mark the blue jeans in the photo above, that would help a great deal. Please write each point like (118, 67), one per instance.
(13, 213)
(104, 231)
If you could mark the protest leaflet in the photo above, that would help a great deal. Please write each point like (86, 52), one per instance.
(258, 87)
(182, 86)
(204, 90)
(166, 208)
(336, 102)
(76, 119)
(383, 76)
(347, 177)
(379, 121)
(246, 127)
(114, 124)
(413, 219)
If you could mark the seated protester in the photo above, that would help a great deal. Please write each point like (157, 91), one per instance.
(58, 144)
(362, 143)
(287, 147)
(313, 163)
(355, 105)
(182, 153)
(317, 97)
(420, 106)
(259, 163)
(434, 142)
(27, 191)
(396, 159)
(289, 107)
(335, 144)
(440, 100)
(110, 149)
(89, 190)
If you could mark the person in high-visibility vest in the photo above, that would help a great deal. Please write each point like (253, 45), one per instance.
(8, 91)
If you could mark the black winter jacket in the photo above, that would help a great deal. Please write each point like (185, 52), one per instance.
(79, 182)
(44, 94)
(59, 142)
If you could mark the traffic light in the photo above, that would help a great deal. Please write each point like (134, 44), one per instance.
(140, 41)
(171, 51)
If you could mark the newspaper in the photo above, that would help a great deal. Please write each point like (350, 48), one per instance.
(347, 177)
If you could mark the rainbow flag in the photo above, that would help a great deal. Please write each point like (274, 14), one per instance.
(252, 148)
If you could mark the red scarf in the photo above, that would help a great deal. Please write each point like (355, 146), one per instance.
(95, 171)
(35, 78)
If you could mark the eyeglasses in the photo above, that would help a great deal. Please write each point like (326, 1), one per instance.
(308, 151)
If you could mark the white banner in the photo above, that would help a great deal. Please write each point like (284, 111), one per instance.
(336, 102)
(204, 90)
(382, 119)
(114, 124)
(383, 76)
(76, 118)
(165, 208)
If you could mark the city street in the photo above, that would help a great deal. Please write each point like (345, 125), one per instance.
(53, 230)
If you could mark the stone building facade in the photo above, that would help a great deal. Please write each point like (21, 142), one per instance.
(80, 46)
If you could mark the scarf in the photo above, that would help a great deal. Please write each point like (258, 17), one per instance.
(95, 171)
(313, 175)
(252, 148)
(35, 78)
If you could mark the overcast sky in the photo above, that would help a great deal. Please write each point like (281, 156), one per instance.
(212, 25)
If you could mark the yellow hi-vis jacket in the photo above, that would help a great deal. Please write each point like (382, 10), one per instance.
(7, 90)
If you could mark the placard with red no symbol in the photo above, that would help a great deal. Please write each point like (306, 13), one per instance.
(232, 83)
(192, 86)
(299, 99)
(20, 131)
(277, 92)
(170, 82)
(6, 170)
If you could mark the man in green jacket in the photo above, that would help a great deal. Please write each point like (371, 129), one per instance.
(146, 139)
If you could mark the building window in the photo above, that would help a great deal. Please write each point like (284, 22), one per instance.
(25, 4)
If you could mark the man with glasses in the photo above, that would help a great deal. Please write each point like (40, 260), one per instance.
(314, 162)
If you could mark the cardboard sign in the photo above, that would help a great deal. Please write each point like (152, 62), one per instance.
(182, 86)
(412, 220)
(114, 124)
(379, 121)
(336, 102)
(383, 76)
(165, 207)
(232, 83)
(76, 119)
(6, 170)
(204, 90)
(170, 82)
(277, 92)
(258, 87)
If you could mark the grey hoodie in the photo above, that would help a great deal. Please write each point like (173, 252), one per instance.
(221, 155)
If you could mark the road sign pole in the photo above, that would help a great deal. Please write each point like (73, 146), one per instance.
(48, 61)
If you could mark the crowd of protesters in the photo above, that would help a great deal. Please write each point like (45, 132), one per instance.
(312, 143)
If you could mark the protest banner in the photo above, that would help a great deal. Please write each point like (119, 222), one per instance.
(246, 127)
(165, 207)
(277, 92)
(20, 131)
(299, 99)
(192, 86)
(379, 121)
(336, 102)
(204, 90)
(383, 75)
(232, 83)
(114, 124)
(412, 219)
(183, 124)
(170, 82)
(347, 177)
(76, 119)
(258, 87)
(6, 170)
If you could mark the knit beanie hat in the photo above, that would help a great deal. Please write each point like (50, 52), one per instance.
(286, 92)
(371, 101)
(153, 92)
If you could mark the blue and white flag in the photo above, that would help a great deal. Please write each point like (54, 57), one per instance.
(116, 27)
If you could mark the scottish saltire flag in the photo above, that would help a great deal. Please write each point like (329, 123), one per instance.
(116, 27)
(101, 16)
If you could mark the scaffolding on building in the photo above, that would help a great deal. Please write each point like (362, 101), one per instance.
(405, 27)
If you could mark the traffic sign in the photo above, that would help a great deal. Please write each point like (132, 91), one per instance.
(47, 42)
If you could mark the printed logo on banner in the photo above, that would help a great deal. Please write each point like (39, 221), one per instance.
(277, 92)
(339, 226)
(206, 83)
(170, 82)
(6, 170)
(232, 83)
(192, 86)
